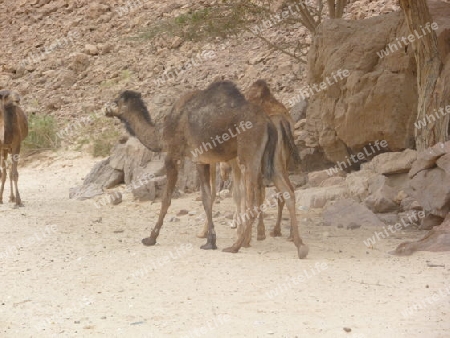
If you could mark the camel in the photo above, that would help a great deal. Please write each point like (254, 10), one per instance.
(209, 126)
(286, 151)
(13, 130)
(259, 93)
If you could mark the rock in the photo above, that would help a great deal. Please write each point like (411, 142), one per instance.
(428, 158)
(333, 181)
(298, 180)
(300, 124)
(346, 212)
(313, 159)
(444, 163)
(358, 183)
(353, 226)
(388, 219)
(182, 212)
(318, 197)
(225, 193)
(430, 221)
(392, 162)
(85, 192)
(379, 95)
(316, 178)
(431, 189)
(410, 203)
(381, 197)
(421, 164)
(115, 198)
(436, 240)
(401, 195)
(106, 48)
(298, 110)
(150, 189)
(91, 49)
(104, 175)
(79, 62)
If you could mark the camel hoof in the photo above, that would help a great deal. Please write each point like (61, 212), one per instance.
(260, 237)
(275, 233)
(210, 243)
(290, 239)
(149, 241)
(246, 245)
(231, 249)
(208, 246)
(302, 251)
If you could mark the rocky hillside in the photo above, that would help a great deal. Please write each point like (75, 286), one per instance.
(68, 58)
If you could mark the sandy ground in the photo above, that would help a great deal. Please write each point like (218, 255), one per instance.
(69, 269)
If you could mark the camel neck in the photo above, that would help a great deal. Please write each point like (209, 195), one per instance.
(146, 132)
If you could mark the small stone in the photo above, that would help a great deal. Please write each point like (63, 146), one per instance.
(182, 212)
(353, 226)
(91, 49)
(347, 329)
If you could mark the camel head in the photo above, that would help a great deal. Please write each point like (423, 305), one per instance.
(258, 91)
(128, 103)
(130, 108)
(9, 97)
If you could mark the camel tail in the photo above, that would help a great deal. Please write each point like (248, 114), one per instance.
(288, 140)
(269, 152)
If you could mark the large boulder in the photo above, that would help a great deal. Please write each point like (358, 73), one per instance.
(319, 196)
(378, 98)
(140, 169)
(346, 212)
(436, 240)
(430, 183)
(392, 162)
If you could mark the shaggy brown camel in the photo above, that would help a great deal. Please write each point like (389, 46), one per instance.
(209, 126)
(259, 94)
(286, 151)
(13, 130)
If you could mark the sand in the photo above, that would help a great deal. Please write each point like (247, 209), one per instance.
(70, 269)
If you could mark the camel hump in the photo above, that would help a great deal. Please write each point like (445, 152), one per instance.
(227, 89)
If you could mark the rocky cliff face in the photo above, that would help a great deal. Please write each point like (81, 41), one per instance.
(378, 98)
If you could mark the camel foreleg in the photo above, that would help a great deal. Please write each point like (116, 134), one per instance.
(172, 175)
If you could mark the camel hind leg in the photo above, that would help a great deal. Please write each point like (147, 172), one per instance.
(3, 157)
(276, 231)
(207, 199)
(283, 185)
(251, 173)
(260, 228)
(212, 174)
(14, 177)
(172, 175)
